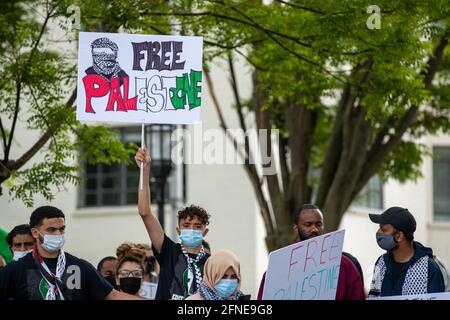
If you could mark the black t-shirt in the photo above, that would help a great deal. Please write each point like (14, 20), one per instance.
(397, 269)
(22, 280)
(174, 277)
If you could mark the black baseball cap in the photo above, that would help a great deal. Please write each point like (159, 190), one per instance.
(399, 217)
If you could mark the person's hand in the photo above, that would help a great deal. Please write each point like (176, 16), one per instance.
(142, 156)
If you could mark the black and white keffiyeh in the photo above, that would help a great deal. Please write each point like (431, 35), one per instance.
(193, 266)
(105, 64)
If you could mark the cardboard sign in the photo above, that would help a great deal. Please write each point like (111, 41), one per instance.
(139, 78)
(306, 270)
(148, 290)
(428, 296)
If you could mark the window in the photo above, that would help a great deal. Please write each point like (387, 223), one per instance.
(371, 196)
(116, 184)
(441, 185)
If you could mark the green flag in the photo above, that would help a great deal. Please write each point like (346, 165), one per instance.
(5, 252)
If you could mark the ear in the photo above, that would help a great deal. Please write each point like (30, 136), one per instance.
(295, 227)
(205, 232)
(178, 230)
(35, 233)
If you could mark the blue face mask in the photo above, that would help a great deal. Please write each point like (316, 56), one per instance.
(191, 238)
(226, 287)
(386, 241)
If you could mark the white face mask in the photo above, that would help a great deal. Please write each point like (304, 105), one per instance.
(53, 242)
(20, 254)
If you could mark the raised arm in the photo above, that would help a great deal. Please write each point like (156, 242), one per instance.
(154, 228)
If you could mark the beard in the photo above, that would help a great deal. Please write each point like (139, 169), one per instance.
(304, 237)
(106, 64)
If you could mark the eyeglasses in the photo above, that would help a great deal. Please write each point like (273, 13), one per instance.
(134, 273)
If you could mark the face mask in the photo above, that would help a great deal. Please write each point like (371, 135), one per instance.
(385, 242)
(20, 254)
(53, 242)
(130, 285)
(191, 238)
(112, 280)
(226, 287)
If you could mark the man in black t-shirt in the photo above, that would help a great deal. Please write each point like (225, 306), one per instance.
(181, 265)
(49, 273)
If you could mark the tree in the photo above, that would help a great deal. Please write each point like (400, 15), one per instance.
(38, 88)
(389, 87)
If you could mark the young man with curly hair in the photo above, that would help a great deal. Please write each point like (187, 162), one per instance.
(181, 265)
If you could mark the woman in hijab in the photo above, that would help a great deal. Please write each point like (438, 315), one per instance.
(221, 278)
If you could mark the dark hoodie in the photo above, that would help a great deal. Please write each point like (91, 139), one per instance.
(389, 288)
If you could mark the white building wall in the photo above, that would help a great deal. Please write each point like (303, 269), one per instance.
(438, 232)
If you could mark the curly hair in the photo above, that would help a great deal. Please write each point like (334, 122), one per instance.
(131, 252)
(194, 211)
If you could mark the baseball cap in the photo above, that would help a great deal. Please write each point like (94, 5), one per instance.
(399, 217)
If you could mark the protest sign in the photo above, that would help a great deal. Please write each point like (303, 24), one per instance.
(306, 270)
(148, 290)
(136, 78)
(427, 296)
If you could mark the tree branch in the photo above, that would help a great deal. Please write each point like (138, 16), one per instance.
(285, 174)
(40, 114)
(300, 7)
(380, 150)
(2, 129)
(237, 99)
(44, 138)
(252, 24)
(250, 169)
(13, 126)
(19, 85)
(338, 144)
(268, 32)
(300, 122)
(334, 148)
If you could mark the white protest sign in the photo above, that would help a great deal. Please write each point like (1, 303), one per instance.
(427, 296)
(136, 78)
(306, 270)
(148, 290)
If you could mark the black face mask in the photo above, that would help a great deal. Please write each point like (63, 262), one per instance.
(112, 280)
(130, 285)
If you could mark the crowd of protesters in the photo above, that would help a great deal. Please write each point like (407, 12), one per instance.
(42, 270)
